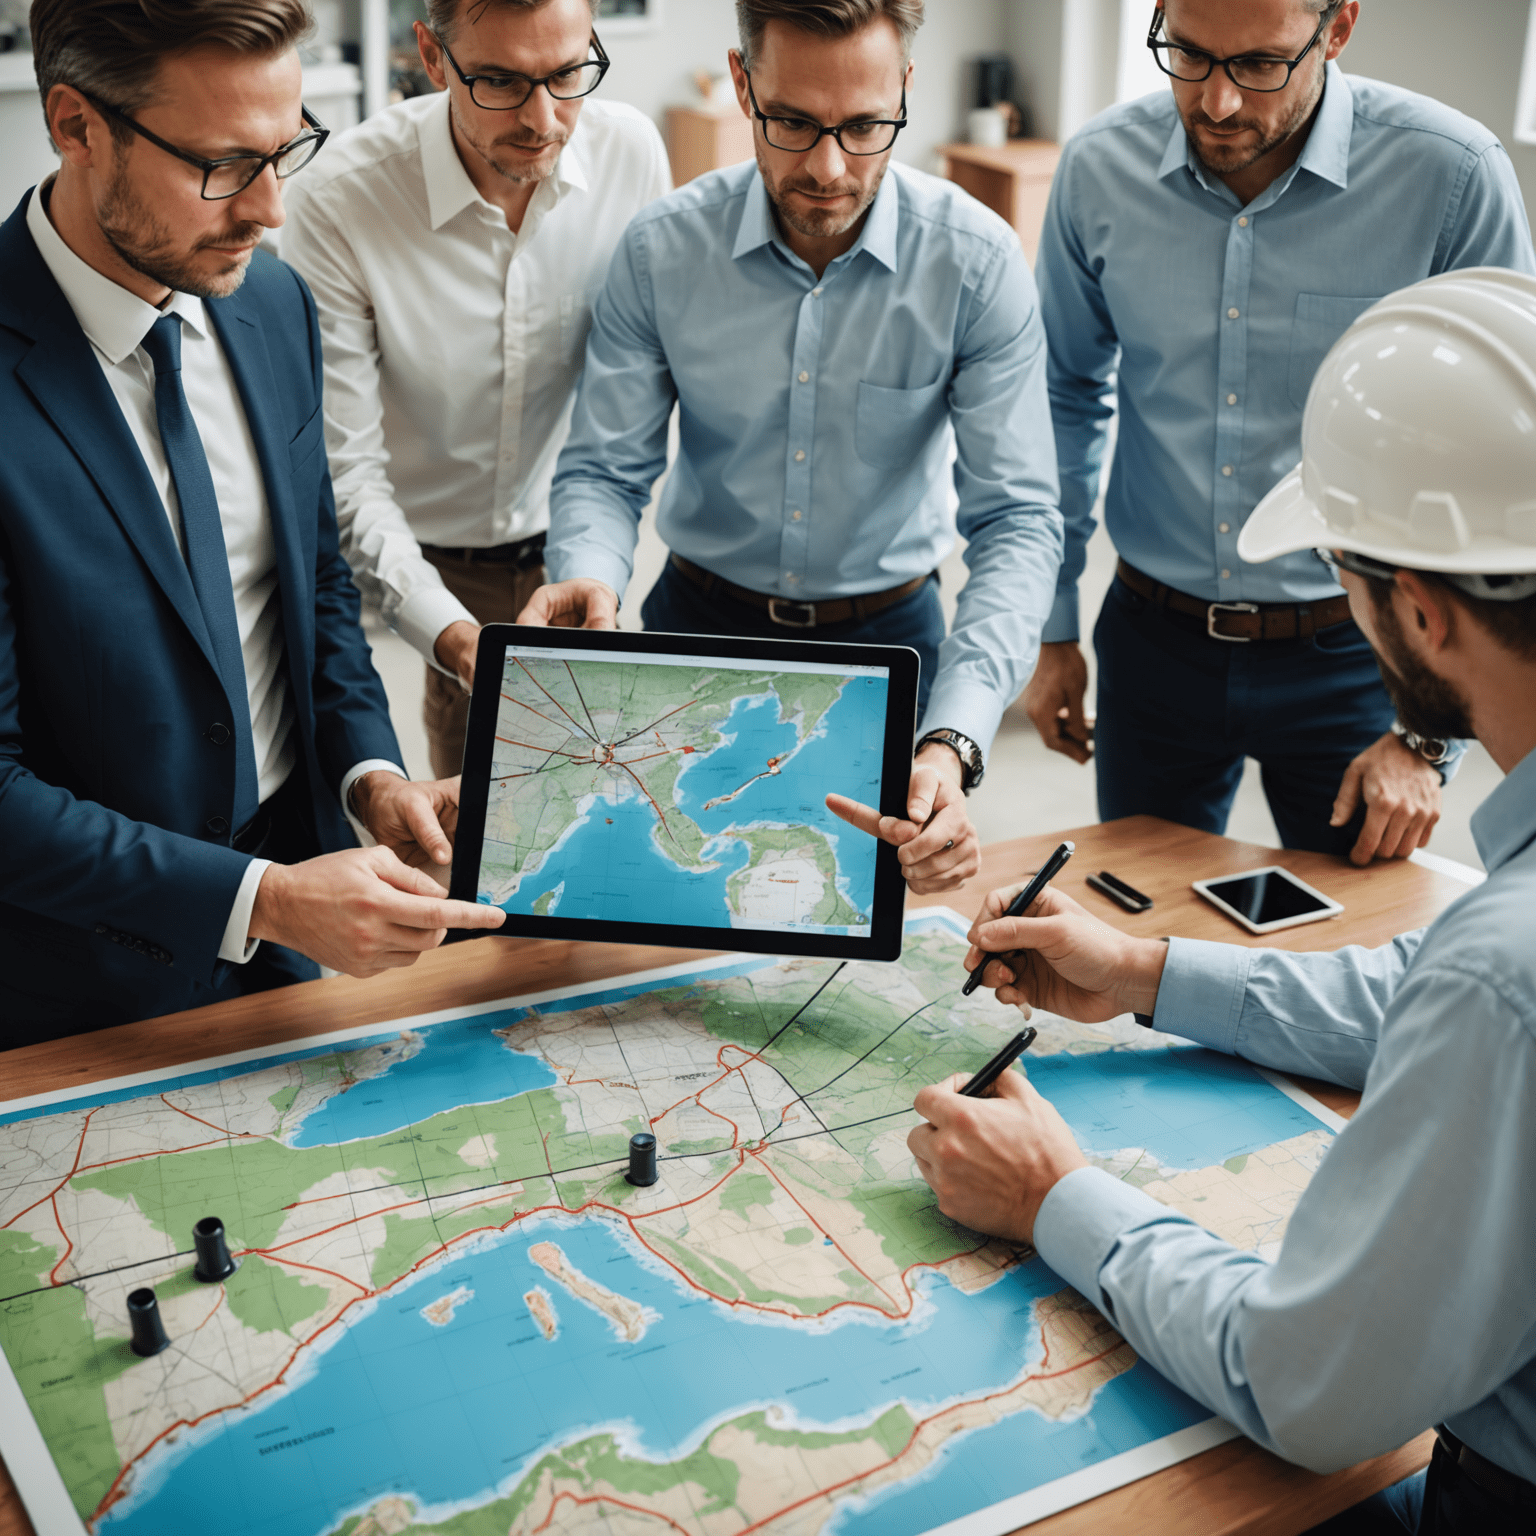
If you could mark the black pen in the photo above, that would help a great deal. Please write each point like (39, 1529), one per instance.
(999, 1064)
(1022, 903)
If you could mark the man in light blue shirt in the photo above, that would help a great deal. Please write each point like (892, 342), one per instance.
(829, 326)
(1404, 1292)
(1203, 250)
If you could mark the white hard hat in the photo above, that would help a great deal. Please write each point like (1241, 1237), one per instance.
(1419, 440)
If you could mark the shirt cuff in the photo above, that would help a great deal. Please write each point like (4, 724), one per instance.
(365, 838)
(1062, 623)
(1082, 1219)
(1457, 750)
(238, 945)
(1201, 993)
(972, 709)
(424, 615)
(586, 559)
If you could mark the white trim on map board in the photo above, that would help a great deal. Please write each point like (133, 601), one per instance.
(1442, 865)
(1335, 1123)
(1103, 1477)
(30, 1463)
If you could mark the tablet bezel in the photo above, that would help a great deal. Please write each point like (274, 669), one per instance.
(1328, 908)
(884, 940)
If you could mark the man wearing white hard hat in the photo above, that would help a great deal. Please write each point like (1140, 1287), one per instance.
(1404, 1291)
(1205, 246)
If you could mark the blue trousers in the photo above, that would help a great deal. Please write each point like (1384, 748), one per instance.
(1440, 1501)
(676, 606)
(1178, 712)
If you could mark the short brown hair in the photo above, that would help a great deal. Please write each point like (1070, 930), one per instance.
(112, 48)
(825, 18)
(443, 15)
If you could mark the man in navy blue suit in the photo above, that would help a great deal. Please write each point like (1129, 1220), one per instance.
(188, 710)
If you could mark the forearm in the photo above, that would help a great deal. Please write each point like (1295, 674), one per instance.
(1315, 1014)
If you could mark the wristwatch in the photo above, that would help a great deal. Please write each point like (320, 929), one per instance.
(973, 765)
(1435, 752)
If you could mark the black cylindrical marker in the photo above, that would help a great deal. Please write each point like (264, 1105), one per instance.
(149, 1335)
(642, 1159)
(213, 1260)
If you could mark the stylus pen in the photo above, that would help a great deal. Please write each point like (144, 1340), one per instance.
(1023, 902)
(999, 1064)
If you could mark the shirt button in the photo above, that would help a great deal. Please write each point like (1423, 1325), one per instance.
(1231, 399)
(794, 516)
(815, 293)
(1226, 469)
(1242, 223)
(1223, 528)
(799, 455)
(790, 576)
(1232, 314)
(1226, 575)
(805, 378)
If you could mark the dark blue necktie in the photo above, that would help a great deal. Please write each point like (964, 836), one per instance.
(203, 541)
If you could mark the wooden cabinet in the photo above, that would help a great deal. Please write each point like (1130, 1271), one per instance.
(1013, 180)
(704, 141)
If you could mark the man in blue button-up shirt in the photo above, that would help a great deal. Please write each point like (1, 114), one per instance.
(1204, 249)
(828, 325)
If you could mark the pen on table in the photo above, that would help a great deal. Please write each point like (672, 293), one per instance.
(1022, 903)
(999, 1064)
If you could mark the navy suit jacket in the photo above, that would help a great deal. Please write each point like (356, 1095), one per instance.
(114, 886)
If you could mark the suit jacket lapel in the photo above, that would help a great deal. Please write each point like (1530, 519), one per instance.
(63, 376)
(249, 361)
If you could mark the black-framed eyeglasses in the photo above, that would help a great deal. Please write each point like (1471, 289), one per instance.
(861, 136)
(1248, 72)
(1356, 565)
(506, 90)
(231, 175)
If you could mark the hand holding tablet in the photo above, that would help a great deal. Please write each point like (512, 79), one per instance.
(673, 789)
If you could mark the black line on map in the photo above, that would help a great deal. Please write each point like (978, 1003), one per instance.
(596, 734)
(875, 1047)
(841, 966)
(96, 1274)
(629, 1071)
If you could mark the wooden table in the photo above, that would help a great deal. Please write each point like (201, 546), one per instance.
(1013, 180)
(1234, 1488)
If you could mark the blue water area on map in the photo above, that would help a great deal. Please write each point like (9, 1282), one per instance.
(447, 1414)
(1189, 1107)
(613, 868)
(461, 1063)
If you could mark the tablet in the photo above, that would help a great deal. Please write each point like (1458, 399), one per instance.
(671, 789)
(1267, 900)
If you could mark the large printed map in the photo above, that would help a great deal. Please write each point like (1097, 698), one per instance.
(454, 1316)
(692, 792)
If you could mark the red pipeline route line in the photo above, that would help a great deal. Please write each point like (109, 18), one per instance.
(79, 1151)
(657, 721)
(314, 1269)
(644, 791)
(575, 757)
(539, 712)
(243, 1135)
(580, 1499)
(552, 699)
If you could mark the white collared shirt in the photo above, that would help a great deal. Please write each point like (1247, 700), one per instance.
(452, 345)
(115, 323)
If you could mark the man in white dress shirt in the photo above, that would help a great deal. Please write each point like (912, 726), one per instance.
(186, 699)
(454, 244)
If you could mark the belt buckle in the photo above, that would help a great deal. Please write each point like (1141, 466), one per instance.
(776, 603)
(1210, 621)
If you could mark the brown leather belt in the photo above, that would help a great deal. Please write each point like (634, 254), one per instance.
(524, 552)
(1237, 623)
(785, 610)
(1509, 1489)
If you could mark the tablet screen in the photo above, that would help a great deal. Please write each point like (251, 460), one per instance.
(683, 789)
(1267, 897)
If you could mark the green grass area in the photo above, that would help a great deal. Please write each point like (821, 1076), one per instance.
(267, 1298)
(807, 694)
(282, 1100)
(798, 1237)
(745, 1191)
(542, 905)
(64, 1369)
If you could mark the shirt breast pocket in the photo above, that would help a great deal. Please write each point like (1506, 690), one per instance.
(1321, 318)
(892, 426)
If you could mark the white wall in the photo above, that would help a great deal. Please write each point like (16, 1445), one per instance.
(654, 70)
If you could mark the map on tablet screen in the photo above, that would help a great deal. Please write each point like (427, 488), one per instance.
(683, 789)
